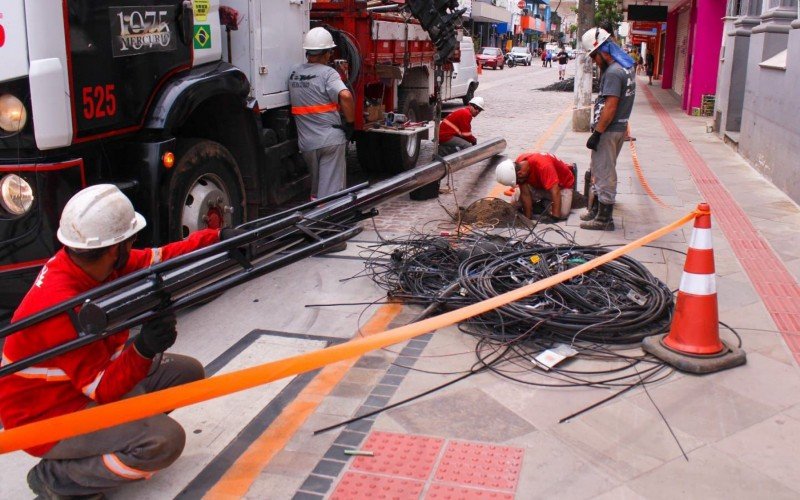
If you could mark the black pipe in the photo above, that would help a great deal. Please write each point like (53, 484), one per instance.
(197, 276)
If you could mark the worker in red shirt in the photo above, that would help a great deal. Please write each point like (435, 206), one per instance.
(540, 176)
(455, 131)
(98, 228)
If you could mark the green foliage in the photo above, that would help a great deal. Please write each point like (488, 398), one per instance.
(608, 11)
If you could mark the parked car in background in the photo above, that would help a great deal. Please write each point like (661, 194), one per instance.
(464, 79)
(521, 55)
(491, 57)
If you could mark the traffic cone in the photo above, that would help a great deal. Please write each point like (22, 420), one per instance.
(693, 344)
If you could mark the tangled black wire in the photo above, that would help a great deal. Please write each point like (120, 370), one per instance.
(618, 303)
(598, 314)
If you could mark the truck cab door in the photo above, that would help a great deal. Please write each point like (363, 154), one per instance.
(120, 55)
(283, 25)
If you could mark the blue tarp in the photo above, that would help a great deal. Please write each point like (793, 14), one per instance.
(501, 28)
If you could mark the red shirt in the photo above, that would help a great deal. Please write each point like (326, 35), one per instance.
(457, 123)
(102, 371)
(546, 171)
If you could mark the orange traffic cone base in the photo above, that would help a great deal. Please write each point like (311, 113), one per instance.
(729, 357)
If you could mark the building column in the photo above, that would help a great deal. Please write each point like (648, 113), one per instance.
(705, 44)
(733, 68)
(669, 55)
(773, 32)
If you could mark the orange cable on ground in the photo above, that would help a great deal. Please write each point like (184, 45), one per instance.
(128, 410)
(637, 167)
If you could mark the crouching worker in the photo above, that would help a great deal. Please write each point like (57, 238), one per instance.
(98, 228)
(540, 177)
(455, 131)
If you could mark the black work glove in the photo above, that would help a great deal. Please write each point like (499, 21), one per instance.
(593, 141)
(348, 128)
(227, 233)
(156, 336)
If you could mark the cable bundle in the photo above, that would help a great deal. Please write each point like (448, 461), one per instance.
(618, 303)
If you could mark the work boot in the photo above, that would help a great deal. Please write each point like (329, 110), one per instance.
(43, 492)
(591, 210)
(604, 221)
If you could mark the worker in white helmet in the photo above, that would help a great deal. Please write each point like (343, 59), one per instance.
(539, 177)
(455, 131)
(319, 98)
(98, 228)
(612, 109)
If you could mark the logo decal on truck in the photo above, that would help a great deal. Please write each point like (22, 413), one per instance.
(139, 30)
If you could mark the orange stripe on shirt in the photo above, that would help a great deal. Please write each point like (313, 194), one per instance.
(315, 109)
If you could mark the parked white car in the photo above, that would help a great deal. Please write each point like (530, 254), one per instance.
(521, 55)
(464, 79)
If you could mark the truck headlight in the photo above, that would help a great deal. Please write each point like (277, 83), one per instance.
(13, 115)
(16, 195)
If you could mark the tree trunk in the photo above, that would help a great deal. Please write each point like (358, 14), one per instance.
(582, 112)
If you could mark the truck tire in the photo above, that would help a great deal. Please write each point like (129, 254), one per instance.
(400, 152)
(368, 150)
(205, 189)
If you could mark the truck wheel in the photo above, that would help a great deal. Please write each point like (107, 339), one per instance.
(205, 190)
(368, 150)
(400, 152)
(469, 95)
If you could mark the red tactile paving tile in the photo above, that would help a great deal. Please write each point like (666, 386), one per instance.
(777, 287)
(358, 485)
(452, 492)
(478, 464)
(404, 455)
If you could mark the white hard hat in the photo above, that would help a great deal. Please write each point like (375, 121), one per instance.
(506, 173)
(593, 39)
(98, 216)
(477, 101)
(318, 39)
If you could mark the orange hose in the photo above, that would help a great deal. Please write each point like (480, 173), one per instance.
(637, 167)
(128, 410)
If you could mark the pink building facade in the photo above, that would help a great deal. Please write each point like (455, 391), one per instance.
(692, 51)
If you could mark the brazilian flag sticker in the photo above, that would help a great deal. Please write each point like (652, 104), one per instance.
(202, 36)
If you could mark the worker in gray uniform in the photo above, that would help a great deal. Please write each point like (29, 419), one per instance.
(318, 96)
(612, 109)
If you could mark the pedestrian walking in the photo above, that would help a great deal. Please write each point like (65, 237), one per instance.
(544, 58)
(563, 59)
(98, 228)
(539, 177)
(318, 94)
(612, 109)
(651, 63)
(549, 58)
